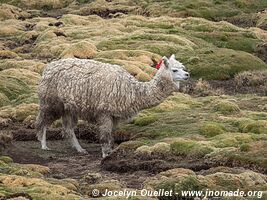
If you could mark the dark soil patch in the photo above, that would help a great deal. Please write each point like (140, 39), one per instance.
(65, 162)
(154, 165)
(86, 132)
(107, 13)
(230, 88)
(244, 20)
(261, 52)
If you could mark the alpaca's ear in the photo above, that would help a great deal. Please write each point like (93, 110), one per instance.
(172, 57)
(166, 62)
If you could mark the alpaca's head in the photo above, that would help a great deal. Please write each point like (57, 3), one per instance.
(172, 70)
(179, 72)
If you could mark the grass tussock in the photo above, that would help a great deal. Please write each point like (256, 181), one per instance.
(203, 88)
(160, 148)
(143, 120)
(20, 112)
(6, 54)
(12, 12)
(226, 107)
(251, 78)
(83, 50)
(257, 127)
(225, 179)
(32, 65)
(4, 100)
(212, 129)
(189, 148)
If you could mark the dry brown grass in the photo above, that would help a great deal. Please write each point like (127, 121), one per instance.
(31, 65)
(12, 12)
(251, 78)
(81, 49)
(202, 88)
(29, 77)
(7, 54)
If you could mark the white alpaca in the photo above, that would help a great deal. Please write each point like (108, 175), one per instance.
(100, 93)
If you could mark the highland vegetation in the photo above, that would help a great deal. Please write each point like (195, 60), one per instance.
(210, 135)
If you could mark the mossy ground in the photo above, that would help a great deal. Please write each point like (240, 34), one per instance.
(211, 50)
(197, 130)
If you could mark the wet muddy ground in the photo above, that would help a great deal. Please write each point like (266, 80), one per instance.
(65, 162)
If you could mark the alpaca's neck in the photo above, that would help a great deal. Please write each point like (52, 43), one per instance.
(152, 93)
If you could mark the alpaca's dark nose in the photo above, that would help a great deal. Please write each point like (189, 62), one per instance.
(187, 74)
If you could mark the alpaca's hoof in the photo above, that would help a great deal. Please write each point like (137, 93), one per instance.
(106, 154)
(106, 151)
(82, 151)
(46, 148)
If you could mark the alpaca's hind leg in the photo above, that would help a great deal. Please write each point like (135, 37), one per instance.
(69, 123)
(105, 127)
(43, 140)
(41, 124)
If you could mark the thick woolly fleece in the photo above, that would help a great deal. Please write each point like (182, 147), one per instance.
(97, 92)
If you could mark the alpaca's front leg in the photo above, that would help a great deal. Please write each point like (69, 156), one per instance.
(106, 138)
(69, 122)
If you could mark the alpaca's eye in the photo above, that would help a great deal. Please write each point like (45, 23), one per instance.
(174, 70)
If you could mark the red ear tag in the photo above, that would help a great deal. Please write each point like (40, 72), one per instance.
(159, 64)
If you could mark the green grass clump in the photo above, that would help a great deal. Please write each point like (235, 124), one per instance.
(167, 185)
(26, 99)
(13, 87)
(226, 107)
(4, 101)
(231, 140)
(189, 148)
(212, 129)
(221, 179)
(258, 127)
(245, 147)
(183, 147)
(145, 120)
(188, 183)
(223, 64)
(6, 159)
(237, 41)
(212, 10)
(160, 148)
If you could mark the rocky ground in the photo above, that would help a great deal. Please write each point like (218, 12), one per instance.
(212, 135)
